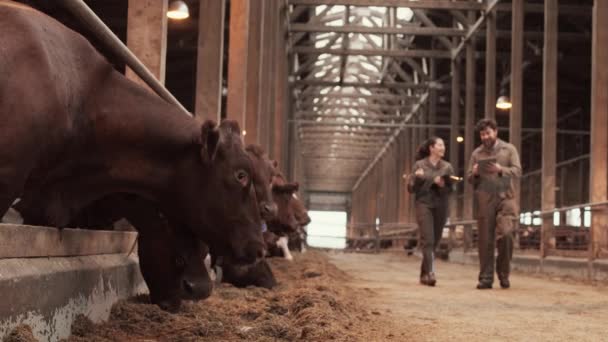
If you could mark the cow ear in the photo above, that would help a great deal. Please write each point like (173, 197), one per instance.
(275, 164)
(210, 137)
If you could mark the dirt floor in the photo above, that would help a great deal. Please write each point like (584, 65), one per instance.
(335, 296)
(312, 303)
(534, 309)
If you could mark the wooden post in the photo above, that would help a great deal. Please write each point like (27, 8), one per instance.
(516, 93)
(236, 104)
(147, 36)
(209, 61)
(432, 97)
(490, 93)
(469, 122)
(267, 67)
(455, 132)
(281, 90)
(549, 123)
(599, 124)
(253, 73)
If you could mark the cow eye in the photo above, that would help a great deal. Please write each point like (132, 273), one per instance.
(180, 261)
(242, 177)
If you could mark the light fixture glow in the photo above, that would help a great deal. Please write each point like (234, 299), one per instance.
(459, 139)
(178, 10)
(503, 102)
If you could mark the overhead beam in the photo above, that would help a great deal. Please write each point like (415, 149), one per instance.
(390, 141)
(473, 29)
(412, 30)
(390, 85)
(371, 52)
(424, 4)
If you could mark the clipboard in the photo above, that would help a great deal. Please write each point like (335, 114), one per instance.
(483, 164)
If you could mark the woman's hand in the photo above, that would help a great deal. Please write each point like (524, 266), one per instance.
(419, 173)
(439, 181)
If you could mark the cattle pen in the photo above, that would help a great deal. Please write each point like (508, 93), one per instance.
(224, 170)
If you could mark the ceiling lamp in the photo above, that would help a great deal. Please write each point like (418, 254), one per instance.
(178, 10)
(503, 102)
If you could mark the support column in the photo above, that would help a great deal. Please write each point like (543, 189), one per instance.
(549, 123)
(490, 93)
(455, 132)
(516, 92)
(281, 91)
(236, 104)
(147, 36)
(432, 119)
(209, 62)
(267, 76)
(469, 122)
(599, 125)
(253, 73)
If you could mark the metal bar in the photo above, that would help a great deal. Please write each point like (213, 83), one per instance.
(86, 16)
(549, 121)
(454, 129)
(371, 52)
(473, 29)
(413, 30)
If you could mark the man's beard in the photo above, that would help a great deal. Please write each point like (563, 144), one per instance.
(489, 143)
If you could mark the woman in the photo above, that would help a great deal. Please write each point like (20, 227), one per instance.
(431, 183)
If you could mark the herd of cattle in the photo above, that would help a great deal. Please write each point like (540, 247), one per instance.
(83, 146)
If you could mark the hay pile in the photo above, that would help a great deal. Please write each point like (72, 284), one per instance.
(22, 333)
(311, 303)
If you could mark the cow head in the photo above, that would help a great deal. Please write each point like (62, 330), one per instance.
(285, 221)
(263, 171)
(220, 198)
(172, 264)
(300, 212)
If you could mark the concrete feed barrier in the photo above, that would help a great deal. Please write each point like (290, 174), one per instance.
(47, 293)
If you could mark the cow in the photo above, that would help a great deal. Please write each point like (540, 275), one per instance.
(75, 130)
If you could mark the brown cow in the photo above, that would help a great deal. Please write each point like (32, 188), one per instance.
(76, 130)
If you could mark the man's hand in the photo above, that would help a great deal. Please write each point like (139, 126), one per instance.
(476, 169)
(439, 181)
(494, 168)
(419, 173)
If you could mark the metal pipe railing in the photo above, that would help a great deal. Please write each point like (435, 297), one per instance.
(81, 11)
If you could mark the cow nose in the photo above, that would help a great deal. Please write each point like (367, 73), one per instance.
(260, 254)
(269, 209)
(189, 287)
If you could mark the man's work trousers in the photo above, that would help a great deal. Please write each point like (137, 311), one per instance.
(430, 222)
(495, 223)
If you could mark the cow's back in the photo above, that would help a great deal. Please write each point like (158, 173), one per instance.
(46, 72)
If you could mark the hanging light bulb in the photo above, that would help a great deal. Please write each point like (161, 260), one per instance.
(503, 102)
(178, 10)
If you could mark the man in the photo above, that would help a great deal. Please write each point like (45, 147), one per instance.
(492, 168)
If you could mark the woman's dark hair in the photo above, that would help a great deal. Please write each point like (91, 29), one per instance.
(423, 150)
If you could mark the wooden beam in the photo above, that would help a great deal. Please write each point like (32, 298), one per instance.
(369, 52)
(516, 92)
(453, 145)
(469, 122)
(474, 27)
(549, 141)
(252, 126)
(424, 4)
(390, 85)
(598, 179)
(490, 93)
(209, 61)
(147, 37)
(236, 104)
(279, 142)
(410, 30)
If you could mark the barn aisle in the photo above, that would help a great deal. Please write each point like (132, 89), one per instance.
(534, 309)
